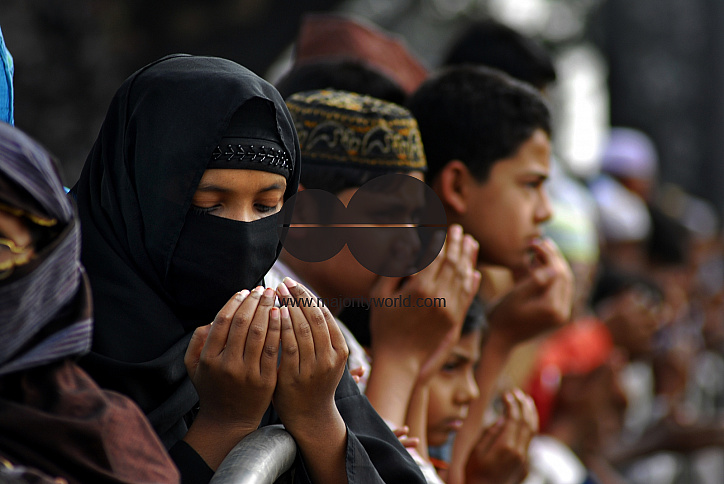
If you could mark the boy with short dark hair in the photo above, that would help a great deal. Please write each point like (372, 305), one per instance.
(487, 141)
(496, 45)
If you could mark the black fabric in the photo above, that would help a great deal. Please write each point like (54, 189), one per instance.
(374, 454)
(192, 467)
(247, 142)
(202, 256)
(133, 197)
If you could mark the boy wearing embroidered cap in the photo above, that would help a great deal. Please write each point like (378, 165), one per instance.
(350, 141)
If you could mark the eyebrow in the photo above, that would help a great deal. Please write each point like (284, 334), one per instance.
(461, 356)
(209, 187)
(273, 186)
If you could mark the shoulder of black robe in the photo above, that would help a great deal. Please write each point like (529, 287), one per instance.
(133, 195)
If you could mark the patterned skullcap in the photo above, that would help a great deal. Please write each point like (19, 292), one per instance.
(351, 130)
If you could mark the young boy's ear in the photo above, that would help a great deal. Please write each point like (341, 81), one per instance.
(452, 186)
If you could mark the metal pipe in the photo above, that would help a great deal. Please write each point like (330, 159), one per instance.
(261, 458)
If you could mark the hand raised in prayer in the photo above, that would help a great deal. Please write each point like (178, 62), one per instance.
(540, 300)
(410, 343)
(313, 358)
(440, 296)
(232, 363)
(501, 454)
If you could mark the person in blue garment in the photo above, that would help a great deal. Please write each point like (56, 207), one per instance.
(7, 96)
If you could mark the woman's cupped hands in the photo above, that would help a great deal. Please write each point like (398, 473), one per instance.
(254, 353)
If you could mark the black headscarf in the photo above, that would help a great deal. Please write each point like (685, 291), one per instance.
(133, 197)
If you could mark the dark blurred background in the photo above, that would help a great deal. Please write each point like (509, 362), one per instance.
(656, 65)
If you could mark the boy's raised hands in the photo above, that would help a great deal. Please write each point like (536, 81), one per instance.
(410, 343)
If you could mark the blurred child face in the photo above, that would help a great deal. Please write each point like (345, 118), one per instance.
(634, 316)
(507, 209)
(242, 195)
(452, 389)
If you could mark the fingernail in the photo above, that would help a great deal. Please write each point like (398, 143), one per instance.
(240, 296)
(269, 292)
(290, 282)
(285, 311)
(258, 291)
(283, 290)
(275, 313)
(456, 230)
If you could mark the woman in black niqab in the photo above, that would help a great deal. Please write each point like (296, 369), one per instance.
(161, 267)
(134, 194)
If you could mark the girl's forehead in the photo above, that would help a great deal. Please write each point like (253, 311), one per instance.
(218, 179)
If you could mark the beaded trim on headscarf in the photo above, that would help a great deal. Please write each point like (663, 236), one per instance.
(339, 127)
(268, 155)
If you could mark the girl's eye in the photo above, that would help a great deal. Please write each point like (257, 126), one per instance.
(261, 208)
(450, 366)
(203, 210)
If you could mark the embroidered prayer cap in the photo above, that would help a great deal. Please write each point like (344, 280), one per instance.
(248, 144)
(351, 130)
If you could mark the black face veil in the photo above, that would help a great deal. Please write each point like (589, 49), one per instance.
(134, 195)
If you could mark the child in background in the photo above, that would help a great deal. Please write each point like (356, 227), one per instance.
(440, 406)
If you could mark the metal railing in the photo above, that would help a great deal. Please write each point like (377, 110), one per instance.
(261, 458)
